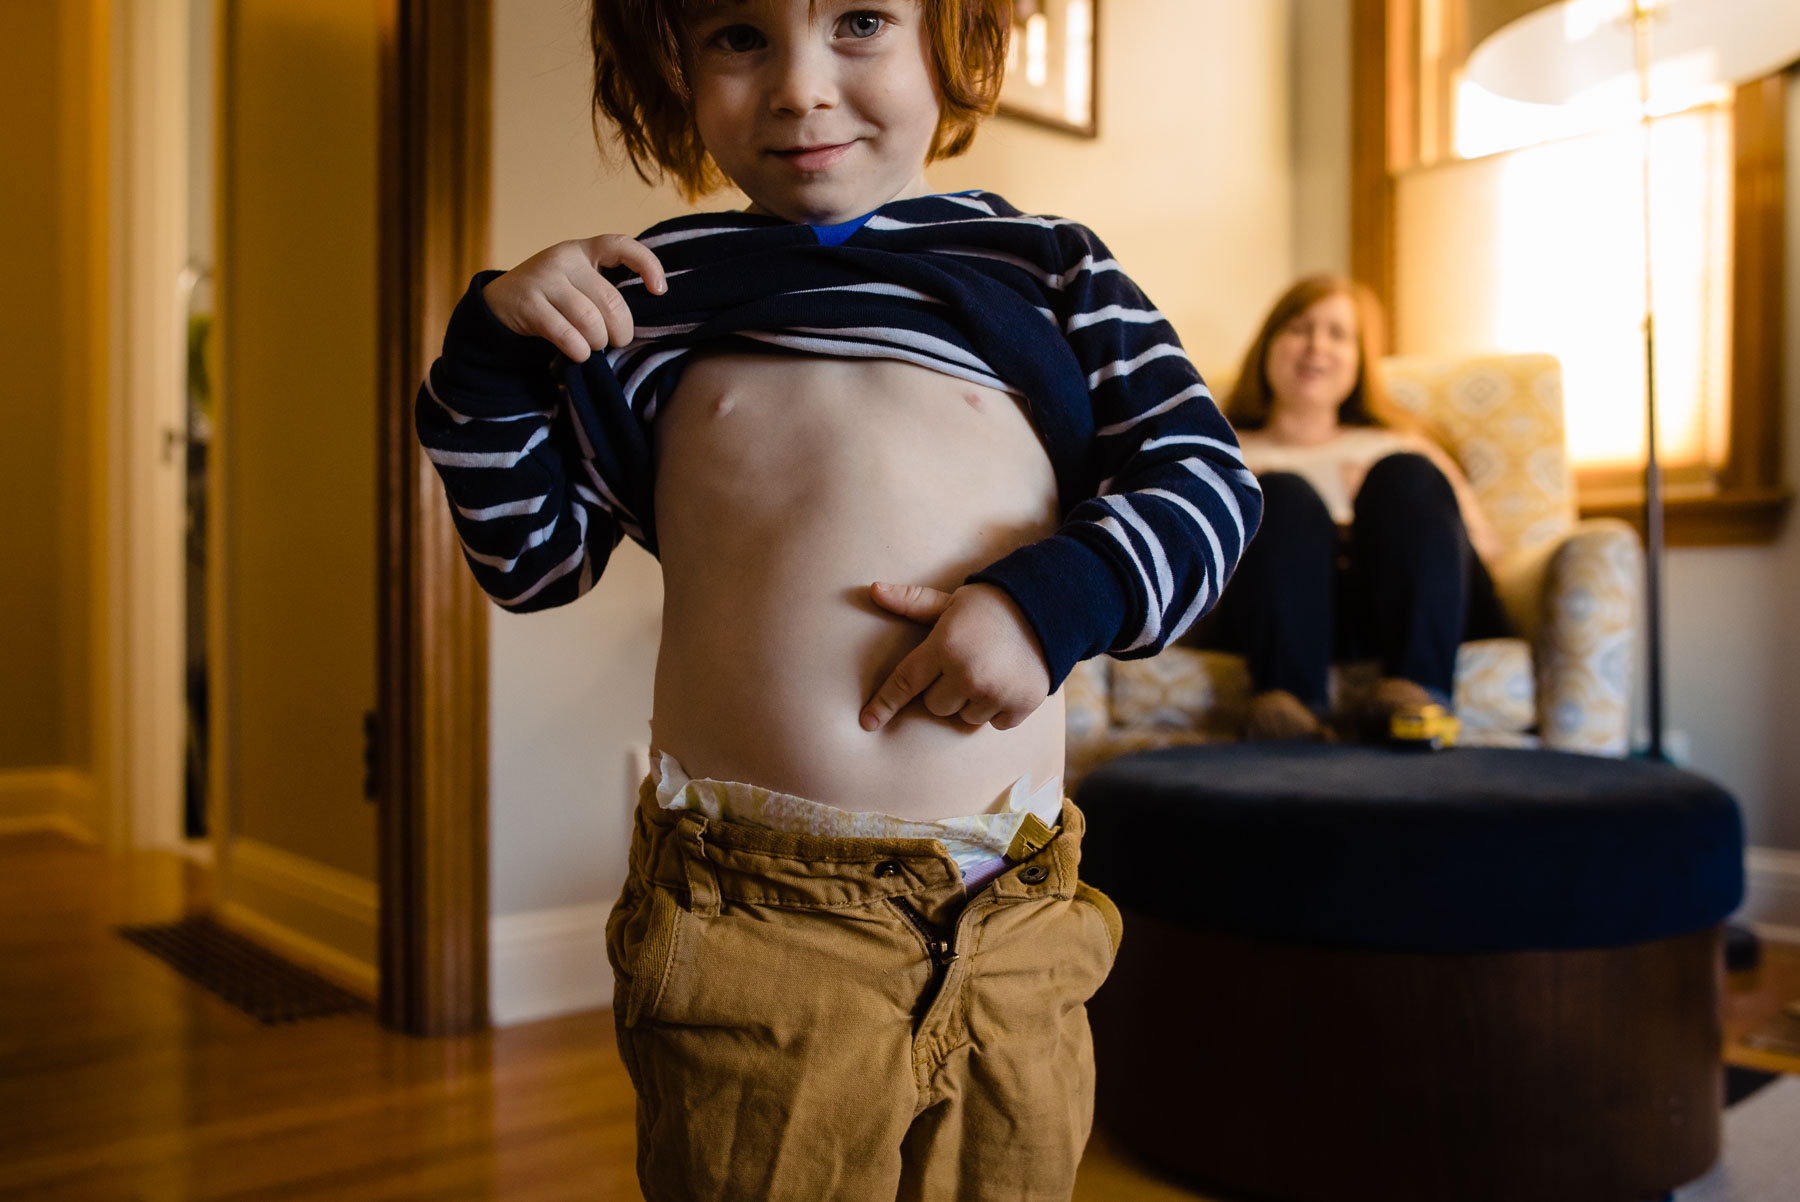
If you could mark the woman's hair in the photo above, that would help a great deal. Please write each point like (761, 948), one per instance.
(641, 86)
(1368, 404)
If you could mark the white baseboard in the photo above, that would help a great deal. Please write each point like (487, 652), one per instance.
(545, 963)
(319, 916)
(38, 799)
(1772, 893)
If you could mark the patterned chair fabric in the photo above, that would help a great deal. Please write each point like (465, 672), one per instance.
(1570, 587)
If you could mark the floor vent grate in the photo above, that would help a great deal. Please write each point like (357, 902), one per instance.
(256, 981)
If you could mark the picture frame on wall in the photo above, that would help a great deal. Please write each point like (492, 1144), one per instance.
(1053, 65)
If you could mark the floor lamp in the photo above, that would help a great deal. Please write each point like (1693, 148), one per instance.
(1669, 54)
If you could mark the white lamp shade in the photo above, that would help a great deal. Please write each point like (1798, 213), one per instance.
(1566, 50)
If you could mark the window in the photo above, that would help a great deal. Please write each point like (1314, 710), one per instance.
(1493, 224)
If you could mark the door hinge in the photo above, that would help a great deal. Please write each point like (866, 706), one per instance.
(372, 774)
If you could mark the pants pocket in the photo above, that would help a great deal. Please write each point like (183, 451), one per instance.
(640, 943)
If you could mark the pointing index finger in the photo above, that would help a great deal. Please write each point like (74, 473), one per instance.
(912, 676)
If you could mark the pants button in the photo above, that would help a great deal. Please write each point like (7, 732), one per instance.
(888, 868)
(1033, 874)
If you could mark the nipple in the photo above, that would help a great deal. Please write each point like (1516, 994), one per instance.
(974, 399)
(723, 406)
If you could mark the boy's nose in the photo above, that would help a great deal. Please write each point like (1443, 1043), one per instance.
(804, 82)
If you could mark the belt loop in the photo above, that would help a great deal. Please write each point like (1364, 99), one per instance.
(702, 880)
(1066, 850)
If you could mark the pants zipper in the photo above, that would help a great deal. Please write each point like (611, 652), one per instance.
(942, 951)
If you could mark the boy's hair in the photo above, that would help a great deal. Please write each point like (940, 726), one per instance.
(641, 87)
(1247, 408)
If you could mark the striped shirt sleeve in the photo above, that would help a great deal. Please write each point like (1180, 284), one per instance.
(1135, 565)
(535, 529)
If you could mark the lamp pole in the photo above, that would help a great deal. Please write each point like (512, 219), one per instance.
(1643, 12)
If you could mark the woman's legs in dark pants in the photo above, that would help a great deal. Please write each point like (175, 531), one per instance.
(1414, 575)
(1414, 592)
(1278, 608)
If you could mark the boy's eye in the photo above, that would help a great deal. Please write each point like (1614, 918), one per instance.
(863, 25)
(739, 39)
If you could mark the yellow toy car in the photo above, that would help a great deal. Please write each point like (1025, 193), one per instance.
(1426, 727)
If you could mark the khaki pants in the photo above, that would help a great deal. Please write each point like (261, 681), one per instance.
(815, 1019)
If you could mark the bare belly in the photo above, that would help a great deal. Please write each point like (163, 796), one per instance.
(786, 486)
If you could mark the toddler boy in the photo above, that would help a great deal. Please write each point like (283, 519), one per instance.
(905, 458)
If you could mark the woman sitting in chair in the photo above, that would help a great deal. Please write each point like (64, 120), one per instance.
(1371, 543)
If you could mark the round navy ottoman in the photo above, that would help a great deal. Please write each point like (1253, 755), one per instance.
(1356, 973)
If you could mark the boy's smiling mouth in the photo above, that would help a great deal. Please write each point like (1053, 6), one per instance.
(813, 158)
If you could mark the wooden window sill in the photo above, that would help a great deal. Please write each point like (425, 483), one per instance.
(1740, 517)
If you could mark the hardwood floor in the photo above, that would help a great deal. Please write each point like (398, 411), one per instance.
(120, 1080)
(1753, 998)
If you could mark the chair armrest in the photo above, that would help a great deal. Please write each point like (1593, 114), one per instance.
(1583, 632)
(1519, 580)
(1179, 697)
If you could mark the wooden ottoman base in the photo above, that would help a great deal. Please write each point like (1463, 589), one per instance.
(1328, 1075)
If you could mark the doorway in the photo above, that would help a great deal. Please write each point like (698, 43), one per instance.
(247, 192)
(314, 586)
(159, 192)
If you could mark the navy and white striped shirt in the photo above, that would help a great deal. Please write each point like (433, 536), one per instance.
(547, 462)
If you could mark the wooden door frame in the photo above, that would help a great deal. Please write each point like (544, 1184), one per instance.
(431, 743)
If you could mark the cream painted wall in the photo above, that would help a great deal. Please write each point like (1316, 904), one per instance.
(1189, 185)
(1190, 182)
(570, 686)
(45, 404)
(1321, 136)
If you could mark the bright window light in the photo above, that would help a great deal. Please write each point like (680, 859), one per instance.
(1078, 83)
(1037, 50)
(1543, 250)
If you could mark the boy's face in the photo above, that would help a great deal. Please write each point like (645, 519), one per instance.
(819, 111)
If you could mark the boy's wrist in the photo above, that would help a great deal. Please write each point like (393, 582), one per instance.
(1070, 596)
(478, 338)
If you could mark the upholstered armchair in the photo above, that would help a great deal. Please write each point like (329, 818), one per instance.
(1570, 587)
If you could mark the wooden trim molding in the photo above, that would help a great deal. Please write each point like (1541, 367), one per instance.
(1741, 517)
(1371, 153)
(1753, 469)
(312, 913)
(432, 738)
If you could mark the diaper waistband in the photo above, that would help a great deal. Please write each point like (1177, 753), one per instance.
(980, 844)
(711, 861)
